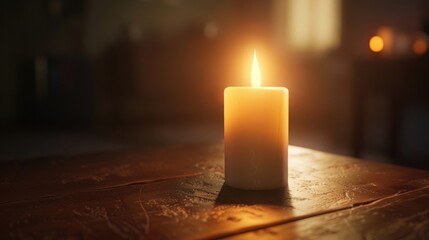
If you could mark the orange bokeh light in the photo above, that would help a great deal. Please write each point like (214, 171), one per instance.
(420, 46)
(376, 44)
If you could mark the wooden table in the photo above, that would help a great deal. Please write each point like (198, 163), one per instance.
(177, 192)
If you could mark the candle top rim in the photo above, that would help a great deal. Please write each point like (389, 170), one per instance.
(272, 88)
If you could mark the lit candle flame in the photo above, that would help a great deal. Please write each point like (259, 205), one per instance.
(256, 73)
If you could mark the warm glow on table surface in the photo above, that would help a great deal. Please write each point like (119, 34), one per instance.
(177, 192)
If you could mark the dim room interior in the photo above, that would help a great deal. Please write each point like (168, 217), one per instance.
(124, 101)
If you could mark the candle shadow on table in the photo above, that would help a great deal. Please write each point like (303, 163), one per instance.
(230, 195)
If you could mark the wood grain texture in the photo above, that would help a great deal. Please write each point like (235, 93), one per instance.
(401, 216)
(49, 177)
(182, 196)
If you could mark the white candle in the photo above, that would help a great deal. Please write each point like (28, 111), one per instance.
(256, 135)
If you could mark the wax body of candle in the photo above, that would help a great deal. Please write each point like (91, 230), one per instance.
(256, 137)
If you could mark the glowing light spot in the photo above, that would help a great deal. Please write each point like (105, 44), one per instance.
(420, 46)
(376, 44)
(313, 24)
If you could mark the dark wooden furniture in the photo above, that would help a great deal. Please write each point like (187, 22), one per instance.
(400, 85)
(177, 192)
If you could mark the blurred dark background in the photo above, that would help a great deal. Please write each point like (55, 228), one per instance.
(85, 76)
